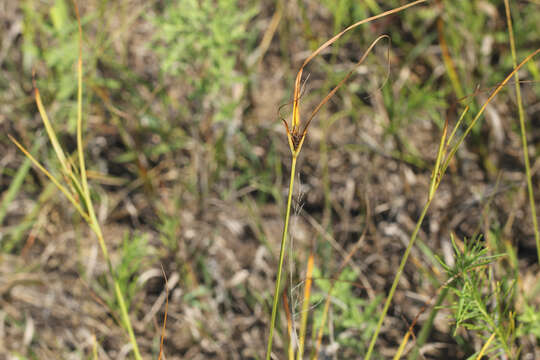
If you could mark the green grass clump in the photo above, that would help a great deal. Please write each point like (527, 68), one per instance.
(481, 303)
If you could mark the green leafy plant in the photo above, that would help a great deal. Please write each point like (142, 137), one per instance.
(530, 322)
(135, 250)
(481, 303)
(59, 57)
(355, 317)
(200, 42)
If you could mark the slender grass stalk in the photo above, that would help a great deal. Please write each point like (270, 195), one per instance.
(435, 180)
(54, 180)
(523, 130)
(404, 342)
(290, 347)
(66, 168)
(437, 177)
(125, 318)
(485, 347)
(80, 144)
(396, 279)
(296, 135)
(94, 348)
(447, 59)
(281, 256)
(305, 308)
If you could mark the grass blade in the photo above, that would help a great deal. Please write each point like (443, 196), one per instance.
(50, 131)
(436, 169)
(290, 347)
(281, 257)
(66, 192)
(485, 347)
(305, 308)
(16, 184)
(523, 130)
(447, 59)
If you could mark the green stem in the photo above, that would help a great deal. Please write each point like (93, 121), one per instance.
(281, 257)
(94, 225)
(523, 131)
(396, 279)
(125, 319)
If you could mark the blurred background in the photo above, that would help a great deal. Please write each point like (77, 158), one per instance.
(189, 162)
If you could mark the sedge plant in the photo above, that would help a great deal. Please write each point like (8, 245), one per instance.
(296, 134)
(74, 184)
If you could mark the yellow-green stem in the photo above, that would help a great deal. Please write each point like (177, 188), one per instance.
(485, 347)
(404, 342)
(523, 131)
(305, 309)
(94, 225)
(92, 219)
(396, 279)
(126, 320)
(281, 257)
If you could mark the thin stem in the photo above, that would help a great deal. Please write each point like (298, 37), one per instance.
(125, 318)
(281, 257)
(305, 308)
(396, 280)
(485, 347)
(523, 131)
(487, 317)
(92, 218)
(80, 145)
(94, 225)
